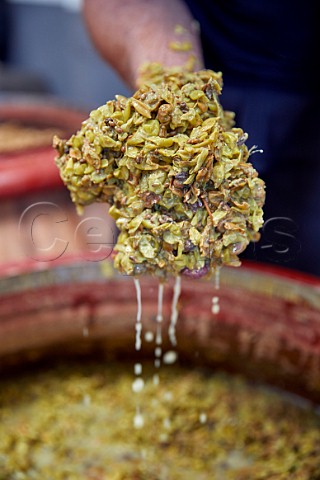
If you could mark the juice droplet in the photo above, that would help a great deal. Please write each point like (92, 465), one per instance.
(137, 385)
(138, 420)
(174, 311)
(85, 331)
(158, 335)
(170, 357)
(215, 308)
(149, 336)
(137, 369)
(202, 417)
(158, 351)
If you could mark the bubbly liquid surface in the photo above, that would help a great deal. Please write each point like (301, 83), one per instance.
(78, 420)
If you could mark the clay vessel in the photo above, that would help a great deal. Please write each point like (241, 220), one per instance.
(268, 326)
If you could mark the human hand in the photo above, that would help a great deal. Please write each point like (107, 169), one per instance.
(132, 33)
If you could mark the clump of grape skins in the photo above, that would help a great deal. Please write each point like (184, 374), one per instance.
(175, 171)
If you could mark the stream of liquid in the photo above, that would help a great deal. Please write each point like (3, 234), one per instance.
(215, 308)
(159, 320)
(139, 314)
(174, 311)
(138, 383)
(170, 356)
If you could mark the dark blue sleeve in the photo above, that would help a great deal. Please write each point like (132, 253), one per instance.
(260, 41)
(3, 29)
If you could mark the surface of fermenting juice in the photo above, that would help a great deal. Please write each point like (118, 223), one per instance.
(75, 421)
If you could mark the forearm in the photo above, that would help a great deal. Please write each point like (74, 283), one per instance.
(129, 33)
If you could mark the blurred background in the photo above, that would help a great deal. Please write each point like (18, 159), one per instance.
(44, 48)
(47, 87)
(51, 76)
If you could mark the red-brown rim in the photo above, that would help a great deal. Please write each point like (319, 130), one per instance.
(268, 326)
(34, 169)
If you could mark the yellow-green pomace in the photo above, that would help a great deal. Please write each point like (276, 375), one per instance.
(175, 170)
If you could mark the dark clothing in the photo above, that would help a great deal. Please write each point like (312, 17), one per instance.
(3, 30)
(268, 43)
(264, 50)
